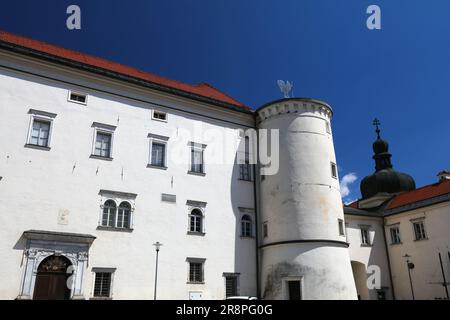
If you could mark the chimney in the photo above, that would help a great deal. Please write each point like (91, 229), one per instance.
(444, 175)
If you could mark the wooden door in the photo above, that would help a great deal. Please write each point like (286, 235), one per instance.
(51, 279)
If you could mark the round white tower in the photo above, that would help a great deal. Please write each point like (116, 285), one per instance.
(303, 248)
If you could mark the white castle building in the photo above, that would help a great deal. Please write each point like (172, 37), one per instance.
(100, 161)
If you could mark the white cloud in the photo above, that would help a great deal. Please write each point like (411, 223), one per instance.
(346, 181)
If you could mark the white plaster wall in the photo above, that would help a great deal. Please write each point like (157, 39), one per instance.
(427, 274)
(323, 270)
(373, 255)
(37, 184)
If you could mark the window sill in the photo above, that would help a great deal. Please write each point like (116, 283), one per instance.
(77, 102)
(245, 180)
(197, 173)
(194, 233)
(160, 120)
(38, 147)
(366, 245)
(421, 239)
(100, 298)
(156, 167)
(114, 229)
(93, 156)
(195, 282)
(248, 237)
(396, 244)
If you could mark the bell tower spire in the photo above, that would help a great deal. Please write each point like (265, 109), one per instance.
(381, 155)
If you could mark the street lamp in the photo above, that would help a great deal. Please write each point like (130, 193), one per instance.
(157, 246)
(410, 266)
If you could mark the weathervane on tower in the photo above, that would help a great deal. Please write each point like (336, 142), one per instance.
(285, 87)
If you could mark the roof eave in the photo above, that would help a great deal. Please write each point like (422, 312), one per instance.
(118, 76)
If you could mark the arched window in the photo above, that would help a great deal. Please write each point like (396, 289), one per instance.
(124, 214)
(246, 226)
(109, 214)
(196, 221)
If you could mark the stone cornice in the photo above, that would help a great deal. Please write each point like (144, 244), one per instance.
(294, 105)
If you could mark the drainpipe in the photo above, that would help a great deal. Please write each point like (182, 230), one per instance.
(256, 179)
(389, 260)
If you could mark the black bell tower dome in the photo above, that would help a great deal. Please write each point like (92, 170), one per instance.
(385, 179)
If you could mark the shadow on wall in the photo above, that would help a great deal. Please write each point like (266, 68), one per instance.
(245, 250)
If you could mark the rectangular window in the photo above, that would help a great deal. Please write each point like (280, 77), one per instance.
(333, 170)
(158, 115)
(327, 127)
(245, 169)
(395, 235)
(265, 230)
(102, 285)
(197, 158)
(419, 230)
(365, 236)
(40, 133)
(77, 97)
(341, 227)
(40, 129)
(196, 272)
(158, 154)
(103, 144)
(231, 286)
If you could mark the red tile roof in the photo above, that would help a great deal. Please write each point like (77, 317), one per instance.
(203, 89)
(354, 205)
(427, 192)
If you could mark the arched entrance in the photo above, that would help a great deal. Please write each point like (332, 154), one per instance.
(51, 279)
(360, 276)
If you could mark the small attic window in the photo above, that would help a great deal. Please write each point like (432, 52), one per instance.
(159, 115)
(77, 97)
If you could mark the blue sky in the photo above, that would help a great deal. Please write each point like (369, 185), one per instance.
(400, 74)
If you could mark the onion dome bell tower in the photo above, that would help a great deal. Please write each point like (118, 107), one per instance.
(385, 182)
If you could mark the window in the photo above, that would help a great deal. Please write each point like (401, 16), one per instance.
(265, 230)
(333, 170)
(196, 270)
(231, 285)
(158, 115)
(39, 132)
(246, 226)
(419, 230)
(327, 127)
(103, 144)
(116, 213)
(102, 284)
(158, 151)
(109, 214)
(365, 236)
(76, 97)
(196, 221)
(341, 227)
(116, 218)
(395, 235)
(103, 141)
(245, 169)
(123, 215)
(197, 158)
(158, 154)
